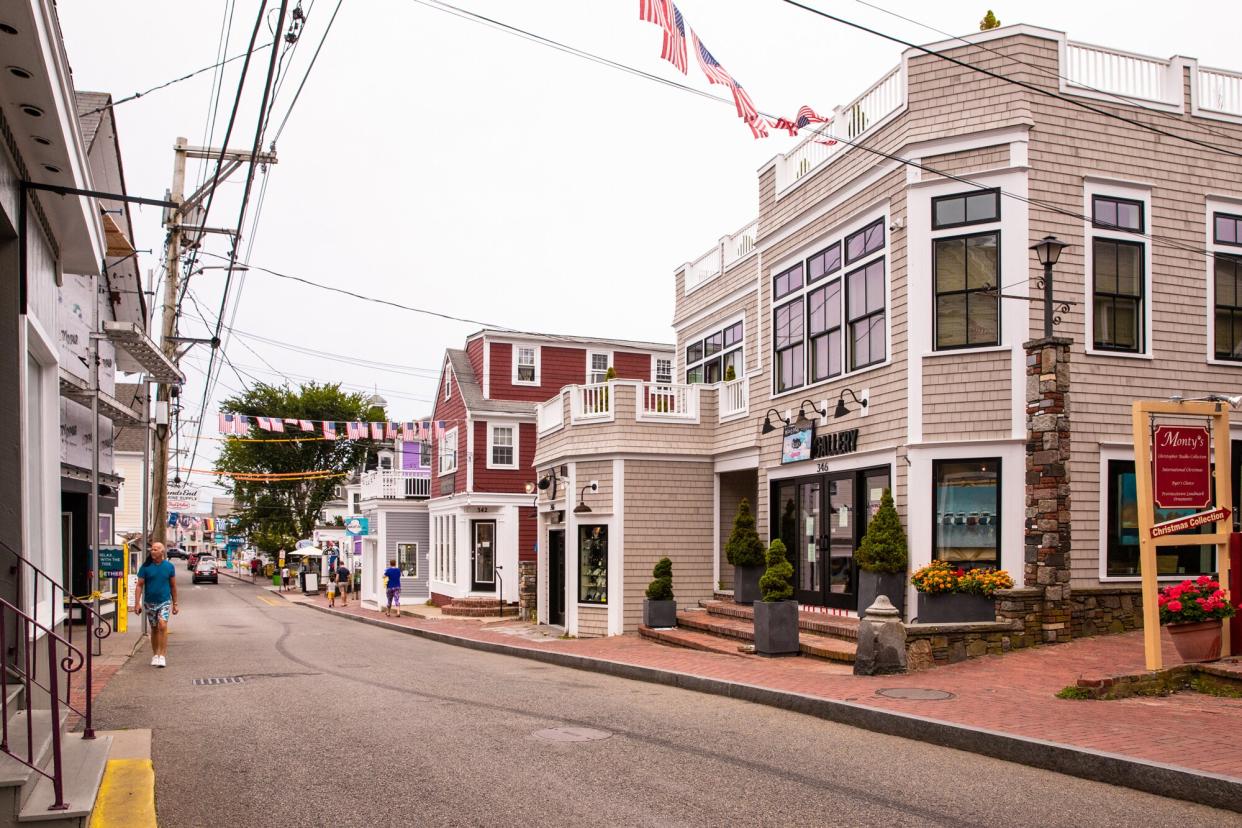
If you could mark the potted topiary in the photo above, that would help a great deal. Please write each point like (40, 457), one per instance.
(882, 559)
(949, 594)
(659, 608)
(744, 551)
(776, 616)
(1193, 611)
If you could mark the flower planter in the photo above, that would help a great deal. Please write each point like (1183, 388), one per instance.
(746, 584)
(890, 584)
(659, 613)
(776, 628)
(1197, 641)
(955, 607)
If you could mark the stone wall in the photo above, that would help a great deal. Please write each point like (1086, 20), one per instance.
(1103, 610)
(528, 595)
(934, 645)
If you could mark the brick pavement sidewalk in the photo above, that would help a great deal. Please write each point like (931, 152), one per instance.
(1012, 694)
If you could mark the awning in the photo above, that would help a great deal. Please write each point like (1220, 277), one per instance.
(139, 353)
(75, 388)
(117, 244)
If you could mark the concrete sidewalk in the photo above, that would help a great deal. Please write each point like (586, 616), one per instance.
(1003, 706)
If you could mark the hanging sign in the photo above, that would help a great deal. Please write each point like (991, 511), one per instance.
(796, 445)
(111, 562)
(1194, 521)
(357, 526)
(1181, 467)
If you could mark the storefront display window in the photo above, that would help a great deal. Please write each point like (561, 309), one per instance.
(1123, 533)
(966, 511)
(593, 564)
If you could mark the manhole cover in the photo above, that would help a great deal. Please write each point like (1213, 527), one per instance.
(914, 693)
(571, 734)
(205, 682)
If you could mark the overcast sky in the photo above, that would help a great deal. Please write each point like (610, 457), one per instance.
(443, 164)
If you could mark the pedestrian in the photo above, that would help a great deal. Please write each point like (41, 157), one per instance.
(392, 588)
(254, 569)
(332, 587)
(342, 582)
(284, 578)
(156, 578)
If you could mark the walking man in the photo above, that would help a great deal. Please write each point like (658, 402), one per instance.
(156, 595)
(284, 579)
(392, 588)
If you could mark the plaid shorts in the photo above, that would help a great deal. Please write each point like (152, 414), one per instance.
(157, 612)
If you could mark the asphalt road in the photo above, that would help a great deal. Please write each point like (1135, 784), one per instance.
(344, 724)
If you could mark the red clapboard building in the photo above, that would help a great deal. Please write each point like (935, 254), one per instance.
(483, 523)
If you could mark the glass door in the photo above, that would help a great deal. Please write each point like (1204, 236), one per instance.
(483, 574)
(556, 577)
(841, 575)
(809, 562)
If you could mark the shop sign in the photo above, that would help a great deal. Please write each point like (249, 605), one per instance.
(357, 526)
(1181, 467)
(111, 562)
(838, 442)
(796, 445)
(182, 498)
(1194, 521)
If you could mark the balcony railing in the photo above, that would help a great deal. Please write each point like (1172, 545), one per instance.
(1220, 91)
(728, 251)
(1121, 73)
(550, 415)
(394, 484)
(591, 402)
(734, 399)
(668, 402)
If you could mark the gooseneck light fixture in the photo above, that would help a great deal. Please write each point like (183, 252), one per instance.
(821, 409)
(842, 409)
(582, 508)
(768, 428)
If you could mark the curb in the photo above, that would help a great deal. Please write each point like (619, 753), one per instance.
(1216, 790)
(126, 796)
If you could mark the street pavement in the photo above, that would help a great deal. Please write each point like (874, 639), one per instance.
(339, 723)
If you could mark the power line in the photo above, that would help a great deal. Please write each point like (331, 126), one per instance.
(280, 129)
(1023, 84)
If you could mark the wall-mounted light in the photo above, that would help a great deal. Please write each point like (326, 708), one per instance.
(768, 428)
(582, 508)
(843, 409)
(821, 409)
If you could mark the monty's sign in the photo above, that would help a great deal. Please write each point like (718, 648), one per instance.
(1181, 460)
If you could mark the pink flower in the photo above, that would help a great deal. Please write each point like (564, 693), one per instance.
(1174, 606)
(1162, 600)
(1203, 580)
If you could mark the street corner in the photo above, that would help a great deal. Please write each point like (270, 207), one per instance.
(127, 793)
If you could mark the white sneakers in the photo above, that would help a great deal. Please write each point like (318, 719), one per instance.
(155, 661)
(159, 661)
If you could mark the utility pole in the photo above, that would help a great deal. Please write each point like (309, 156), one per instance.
(176, 220)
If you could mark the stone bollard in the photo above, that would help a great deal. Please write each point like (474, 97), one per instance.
(881, 641)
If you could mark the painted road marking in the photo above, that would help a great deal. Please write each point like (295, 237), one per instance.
(126, 795)
(273, 602)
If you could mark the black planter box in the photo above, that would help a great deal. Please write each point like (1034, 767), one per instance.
(659, 613)
(776, 628)
(746, 584)
(872, 584)
(954, 607)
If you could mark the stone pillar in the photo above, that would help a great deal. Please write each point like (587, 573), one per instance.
(1048, 542)
(528, 594)
(881, 641)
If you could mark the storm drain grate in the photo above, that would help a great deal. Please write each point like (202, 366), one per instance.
(207, 682)
(914, 694)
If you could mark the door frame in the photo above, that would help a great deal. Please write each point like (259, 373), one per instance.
(475, 584)
(557, 586)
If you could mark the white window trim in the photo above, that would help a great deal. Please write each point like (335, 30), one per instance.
(1216, 205)
(491, 442)
(398, 554)
(448, 384)
(590, 353)
(538, 366)
(997, 227)
(672, 369)
(441, 454)
(838, 233)
(1134, 192)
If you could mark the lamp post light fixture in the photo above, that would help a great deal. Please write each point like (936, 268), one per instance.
(768, 428)
(582, 508)
(1048, 251)
(842, 409)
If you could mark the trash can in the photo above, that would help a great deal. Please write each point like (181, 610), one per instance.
(310, 582)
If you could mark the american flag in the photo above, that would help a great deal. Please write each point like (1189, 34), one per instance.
(264, 423)
(329, 431)
(377, 431)
(394, 430)
(277, 424)
(352, 430)
(241, 424)
(226, 424)
(674, 48)
(807, 116)
(758, 126)
(716, 73)
(307, 425)
(410, 433)
(652, 11)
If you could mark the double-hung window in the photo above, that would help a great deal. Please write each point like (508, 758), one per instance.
(1228, 275)
(502, 446)
(525, 365)
(825, 330)
(1227, 229)
(663, 371)
(966, 271)
(710, 358)
(1118, 272)
(448, 452)
(598, 363)
(790, 358)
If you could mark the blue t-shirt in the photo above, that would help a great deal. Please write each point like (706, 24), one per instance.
(156, 581)
(393, 576)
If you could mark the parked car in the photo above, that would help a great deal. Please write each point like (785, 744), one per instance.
(205, 570)
(176, 552)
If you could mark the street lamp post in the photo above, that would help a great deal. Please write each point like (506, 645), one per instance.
(1048, 251)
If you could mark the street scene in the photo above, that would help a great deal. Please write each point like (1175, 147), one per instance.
(453, 413)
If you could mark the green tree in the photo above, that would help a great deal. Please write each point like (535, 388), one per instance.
(277, 514)
(775, 585)
(661, 586)
(989, 21)
(744, 547)
(883, 547)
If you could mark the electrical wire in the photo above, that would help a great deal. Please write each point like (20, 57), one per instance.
(285, 120)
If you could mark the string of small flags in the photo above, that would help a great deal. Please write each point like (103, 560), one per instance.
(410, 431)
(666, 15)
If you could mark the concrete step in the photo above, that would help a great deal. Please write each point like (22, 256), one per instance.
(492, 611)
(837, 626)
(17, 779)
(694, 640)
(84, 762)
(743, 629)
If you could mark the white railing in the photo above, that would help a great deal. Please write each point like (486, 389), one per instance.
(392, 484)
(741, 244)
(865, 112)
(592, 402)
(550, 415)
(703, 269)
(667, 402)
(1220, 91)
(734, 398)
(1121, 73)
(727, 252)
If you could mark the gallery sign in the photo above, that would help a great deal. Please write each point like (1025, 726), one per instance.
(1181, 459)
(802, 443)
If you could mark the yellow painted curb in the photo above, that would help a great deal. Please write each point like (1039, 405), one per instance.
(126, 795)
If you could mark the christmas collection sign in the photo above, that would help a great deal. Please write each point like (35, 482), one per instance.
(1181, 467)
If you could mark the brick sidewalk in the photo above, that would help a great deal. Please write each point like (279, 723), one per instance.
(1013, 694)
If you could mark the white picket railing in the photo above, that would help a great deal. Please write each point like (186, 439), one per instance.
(668, 402)
(727, 252)
(741, 244)
(1121, 73)
(1220, 91)
(592, 402)
(703, 269)
(734, 398)
(550, 415)
(393, 484)
(865, 112)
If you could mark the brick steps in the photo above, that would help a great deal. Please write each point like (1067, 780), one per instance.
(743, 629)
(837, 626)
(477, 607)
(692, 640)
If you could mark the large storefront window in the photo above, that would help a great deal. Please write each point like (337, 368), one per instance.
(593, 564)
(966, 511)
(1123, 532)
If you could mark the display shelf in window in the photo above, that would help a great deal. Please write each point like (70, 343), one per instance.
(593, 564)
